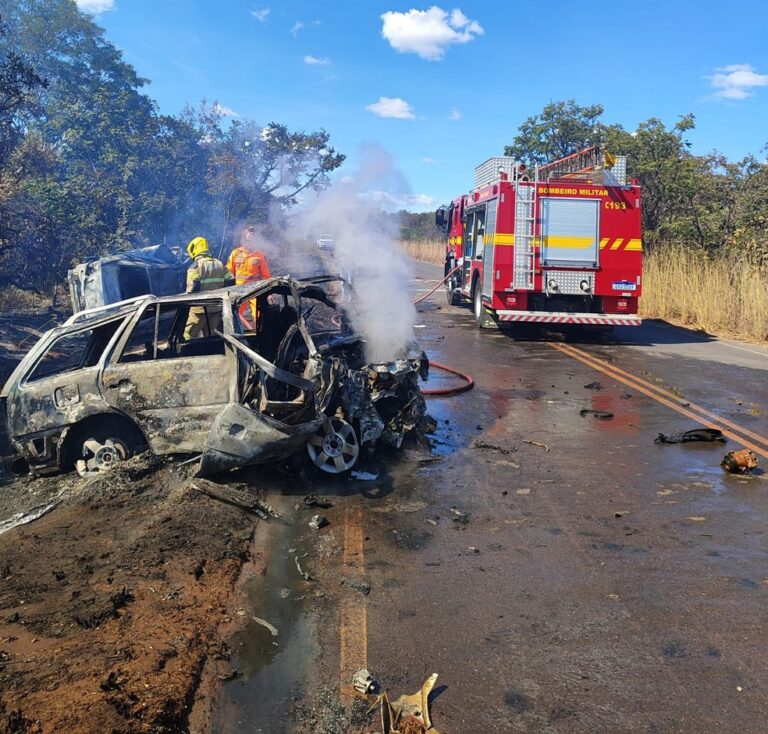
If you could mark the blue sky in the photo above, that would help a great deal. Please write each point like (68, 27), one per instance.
(443, 87)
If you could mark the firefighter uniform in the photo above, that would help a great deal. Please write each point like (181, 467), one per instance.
(205, 274)
(248, 266)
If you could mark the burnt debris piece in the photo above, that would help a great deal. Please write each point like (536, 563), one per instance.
(695, 434)
(123, 378)
(739, 462)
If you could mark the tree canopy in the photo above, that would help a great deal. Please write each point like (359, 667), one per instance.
(88, 164)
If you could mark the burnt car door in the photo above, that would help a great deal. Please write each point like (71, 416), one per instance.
(173, 386)
(56, 385)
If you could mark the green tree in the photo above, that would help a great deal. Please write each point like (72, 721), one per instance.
(560, 129)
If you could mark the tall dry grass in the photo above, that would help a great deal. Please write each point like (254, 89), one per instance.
(721, 296)
(428, 251)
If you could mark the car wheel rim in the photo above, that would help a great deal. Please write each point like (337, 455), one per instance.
(99, 457)
(334, 448)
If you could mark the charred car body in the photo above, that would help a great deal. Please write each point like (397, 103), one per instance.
(121, 379)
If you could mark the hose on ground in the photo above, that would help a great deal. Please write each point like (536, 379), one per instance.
(469, 382)
(427, 295)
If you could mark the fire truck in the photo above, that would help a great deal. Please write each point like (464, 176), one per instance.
(559, 244)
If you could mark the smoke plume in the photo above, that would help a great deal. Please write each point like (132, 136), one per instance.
(366, 251)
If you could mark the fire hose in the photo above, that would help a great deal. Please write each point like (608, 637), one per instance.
(469, 382)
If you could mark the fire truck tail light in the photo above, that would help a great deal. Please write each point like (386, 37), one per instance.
(622, 304)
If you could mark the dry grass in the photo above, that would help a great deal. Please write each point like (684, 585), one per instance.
(429, 251)
(721, 296)
(15, 299)
(718, 295)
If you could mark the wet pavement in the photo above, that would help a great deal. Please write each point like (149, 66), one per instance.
(599, 583)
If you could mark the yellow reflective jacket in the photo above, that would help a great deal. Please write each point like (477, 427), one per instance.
(206, 274)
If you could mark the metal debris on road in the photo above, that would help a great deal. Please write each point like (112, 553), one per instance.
(459, 516)
(739, 462)
(364, 476)
(313, 500)
(263, 622)
(302, 572)
(602, 415)
(409, 714)
(594, 386)
(363, 682)
(483, 445)
(318, 521)
(237, 498)
(695, 434)
(536, 443)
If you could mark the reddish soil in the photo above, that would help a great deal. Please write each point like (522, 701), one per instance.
(112, 604)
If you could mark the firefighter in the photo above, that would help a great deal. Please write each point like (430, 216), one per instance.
(205, 274)
(248, 265)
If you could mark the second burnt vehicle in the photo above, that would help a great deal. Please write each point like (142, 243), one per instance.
(121, 379)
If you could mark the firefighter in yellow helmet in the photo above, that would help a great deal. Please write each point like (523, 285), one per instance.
(205, 274)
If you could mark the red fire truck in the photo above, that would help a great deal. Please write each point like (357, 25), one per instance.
(559, 244)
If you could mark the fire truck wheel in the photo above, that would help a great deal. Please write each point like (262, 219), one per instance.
(452, 296)
(482, 319)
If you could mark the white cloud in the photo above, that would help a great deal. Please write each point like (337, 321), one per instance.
(399, 200)
(428, 33)
(392, 107)
(223, 110)
(95, 6)
(261, 14)
(736, 81)
(296, 27)
(316, 61)
(427, 159)
(455, 114)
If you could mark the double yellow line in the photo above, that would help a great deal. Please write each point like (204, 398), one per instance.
(696, 413)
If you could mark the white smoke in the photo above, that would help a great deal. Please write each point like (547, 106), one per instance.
(366, 251)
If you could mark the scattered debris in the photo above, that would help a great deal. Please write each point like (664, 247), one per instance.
(696, 518)
(602, 415)
(431, 521)
(695, 434)
(263, 622)
(359, 585)
(237, 498)
(363, 682)
(22, 518)
(739, 462)
(536, 443)
(473, 549)
(302, 572)
(480, 444)
(523, 491)
(620, 513)
(594, 386)
(313, 500)
(459, 516)
(364, 476)
(410, 713)
(318, 521)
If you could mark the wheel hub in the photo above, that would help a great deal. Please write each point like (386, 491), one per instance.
(334, 448)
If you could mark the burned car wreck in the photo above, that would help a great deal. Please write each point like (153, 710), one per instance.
(117, 380)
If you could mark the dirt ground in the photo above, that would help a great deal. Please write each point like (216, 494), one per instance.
(111, 604)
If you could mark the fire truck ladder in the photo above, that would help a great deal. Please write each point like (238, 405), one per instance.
(525, 220)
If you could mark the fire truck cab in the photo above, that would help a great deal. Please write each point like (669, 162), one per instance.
(559, 244)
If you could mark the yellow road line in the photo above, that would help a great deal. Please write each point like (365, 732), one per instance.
(735, 426)
(657, 394)
(353, 617)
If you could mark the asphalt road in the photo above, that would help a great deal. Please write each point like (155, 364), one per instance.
(600, 583)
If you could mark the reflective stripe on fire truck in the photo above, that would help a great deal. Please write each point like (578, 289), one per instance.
(568, 243)
(630, 246)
